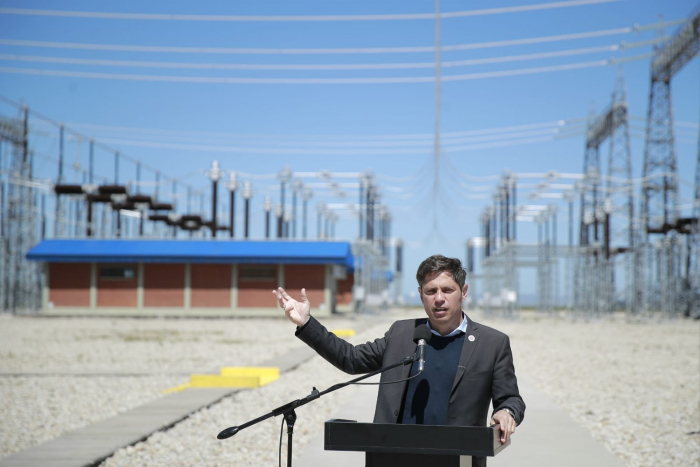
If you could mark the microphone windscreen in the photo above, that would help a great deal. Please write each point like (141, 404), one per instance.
(422, 332)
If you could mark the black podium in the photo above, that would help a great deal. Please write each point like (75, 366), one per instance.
(388, 445)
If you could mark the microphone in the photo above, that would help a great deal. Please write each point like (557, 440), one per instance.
(421, 336)
(228, 432)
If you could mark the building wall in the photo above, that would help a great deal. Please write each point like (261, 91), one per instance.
(132, 286)
(312, 277)
(164, 285)
(116, 292)
(255, 290)
(344, 294)
(210, 285)
(69, 284)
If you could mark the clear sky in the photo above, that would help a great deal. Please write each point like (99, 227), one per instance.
(187, 107)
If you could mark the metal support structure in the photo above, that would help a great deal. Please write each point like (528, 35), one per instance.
(247, 194)
(214, 174)
(660, 223)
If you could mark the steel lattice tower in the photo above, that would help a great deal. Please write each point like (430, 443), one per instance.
(620, 193)
(20, 277)
(590, 198)
(660, 185)
(694, 250)
(659, 214)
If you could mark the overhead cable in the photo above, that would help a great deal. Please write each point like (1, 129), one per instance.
(267, 137)
(395, 150)
(227, 80)
(317, 67)
(325, 51)
(85, 138)
(374, 144)
(300, 18)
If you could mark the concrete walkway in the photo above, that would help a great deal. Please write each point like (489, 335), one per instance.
(92, 444)
(548, 437)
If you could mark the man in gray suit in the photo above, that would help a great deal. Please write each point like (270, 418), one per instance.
(468, 365)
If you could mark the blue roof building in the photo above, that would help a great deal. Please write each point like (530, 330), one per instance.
(192, 277)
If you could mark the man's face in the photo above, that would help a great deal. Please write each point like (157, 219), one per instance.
(442, 300)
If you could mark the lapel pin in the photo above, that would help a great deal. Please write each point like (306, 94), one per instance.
(471, 338)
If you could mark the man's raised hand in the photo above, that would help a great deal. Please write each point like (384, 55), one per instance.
(297, 312)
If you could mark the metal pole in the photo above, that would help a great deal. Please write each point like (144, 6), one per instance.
(279, 215)
(116, 168)
(368, 207)
(515, 213)
(157, 187)
(359, 206)
(305, 207)
(232, 214)
(247, 194)
(60, 155)
(91, 161)
(214, 190)
(88, 230)
(43, 216)
(507, 203)
(247, 211)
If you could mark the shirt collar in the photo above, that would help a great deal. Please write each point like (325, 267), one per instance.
(461, 328)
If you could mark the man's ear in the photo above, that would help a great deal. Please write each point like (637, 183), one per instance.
(464, 292)
(420, 294)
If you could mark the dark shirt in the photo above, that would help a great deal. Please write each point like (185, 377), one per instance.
(426, 398)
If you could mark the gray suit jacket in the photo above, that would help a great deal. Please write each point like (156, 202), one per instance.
(485, 370)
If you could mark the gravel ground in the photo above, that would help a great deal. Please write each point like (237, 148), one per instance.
(635, 387)
(193, 441)
(138, 345)
(60, 374)
(37, 409)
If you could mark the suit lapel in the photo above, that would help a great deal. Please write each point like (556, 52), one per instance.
(467, 351)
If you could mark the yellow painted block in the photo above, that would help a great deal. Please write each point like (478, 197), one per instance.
(266, 375)
(250, 371)
(218, 381)
(344, 332)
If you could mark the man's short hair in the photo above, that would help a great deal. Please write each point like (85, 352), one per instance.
(439, 263)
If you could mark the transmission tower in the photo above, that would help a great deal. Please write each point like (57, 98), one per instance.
(20, 277)
(620, 235)
(659, 214)
(694, 248)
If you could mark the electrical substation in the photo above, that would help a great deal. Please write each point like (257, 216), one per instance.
(631, 242)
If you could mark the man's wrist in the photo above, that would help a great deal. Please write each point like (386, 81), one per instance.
(301, 328)
(510, 412)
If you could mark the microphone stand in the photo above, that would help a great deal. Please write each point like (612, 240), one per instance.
(287, 410)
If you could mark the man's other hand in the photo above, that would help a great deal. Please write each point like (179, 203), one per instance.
(506, 422)
(297, 312)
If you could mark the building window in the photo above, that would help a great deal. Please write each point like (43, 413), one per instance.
(257, 273)
(117, 272)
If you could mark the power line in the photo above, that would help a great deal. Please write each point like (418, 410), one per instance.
(335, 66)
(302, 18)
(220, 80)
(357, 144)
(325, 51)
(411, 143)
(85, 138)
(335, 151)
(266, 137)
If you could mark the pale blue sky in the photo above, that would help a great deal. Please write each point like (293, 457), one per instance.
(259, 128)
